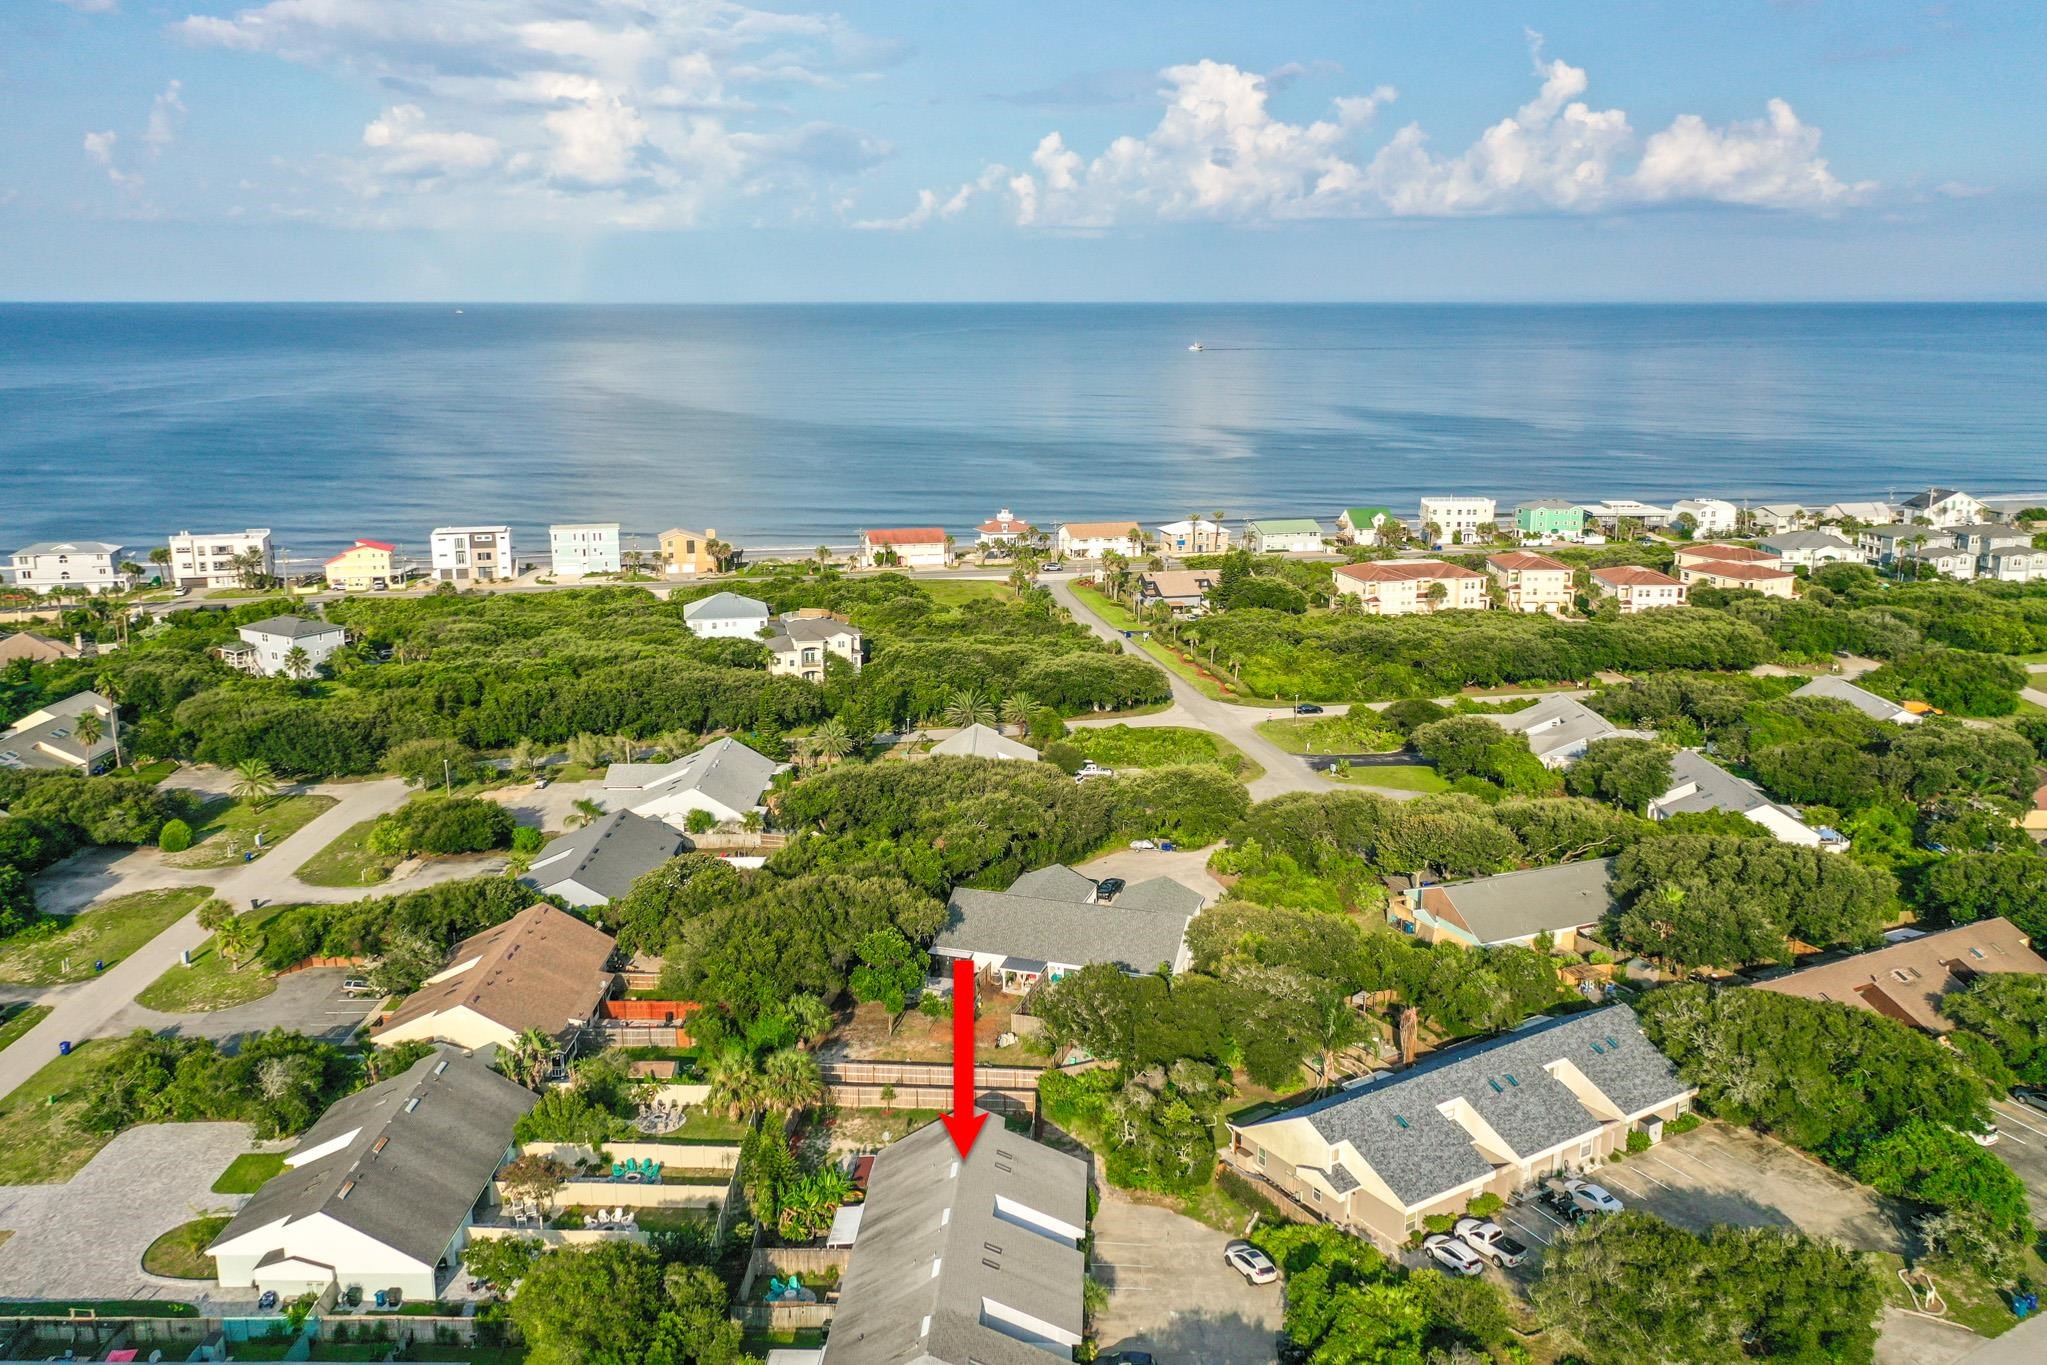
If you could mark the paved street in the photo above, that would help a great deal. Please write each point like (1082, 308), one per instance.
(93, 1008)
(1171, 1294)
(310, 1002)
(85, 1237)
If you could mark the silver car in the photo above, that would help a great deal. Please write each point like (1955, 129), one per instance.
(1452, 1254)
(1248, 1261)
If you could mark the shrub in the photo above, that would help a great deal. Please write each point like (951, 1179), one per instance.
(1638, 1142)
(174, 837)
(526, 839)
(461, 825)
(700, 822)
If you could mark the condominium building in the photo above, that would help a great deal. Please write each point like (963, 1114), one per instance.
(909, 547)
(1710, 516)
(1410, 587)
(688, 553)
(1637, 588)
(473, 554)
(583, 547)
(1459, 520)
(365, 566)
(1194, 536)
(1532, 582)
(1549, 519)
(216, 561)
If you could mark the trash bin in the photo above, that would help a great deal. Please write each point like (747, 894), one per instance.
(64, 1048)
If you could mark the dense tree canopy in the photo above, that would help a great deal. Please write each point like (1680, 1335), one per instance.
(1701, 900)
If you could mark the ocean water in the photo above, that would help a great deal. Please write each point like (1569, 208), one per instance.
(790, 426)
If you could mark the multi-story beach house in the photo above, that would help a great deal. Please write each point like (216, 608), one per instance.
(2013, 564)
(1458, 520)
(1362, 525)
(1734, 566)
(364, 566)
(1093, 539)
(216, 561)
(584, 547)
(1861, 513)
(1547, 520)
(1810, 549)
(1774, 518)
(803, 640)
(726, 614)
(908, 547)
(1611, 513)
(1194, 536)
(70, 565)
(473, 554)
(1002, 531)
(1710, 516)
(267, 645)
(1637, 588)
(1943, 507)
(1532, 582)
(1412, 587)
(687, 553)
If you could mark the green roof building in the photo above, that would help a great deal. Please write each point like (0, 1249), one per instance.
(1291, 534)
(1362, 524)
(1549, 517)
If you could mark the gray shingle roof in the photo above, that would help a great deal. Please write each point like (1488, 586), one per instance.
(1055, 883)
(1163, 894)
(1558, 723)
(1395, 1124)
(934, 1248)
(1863, 700)
(607, 855)
(980, 741)
(70, 547)
(28, 744)
(726, 606)
(1718, 789)
(1135, 935)
(726, 771)
(414, 1193)
(1790, 541)
(292, 627)
(1520, 904)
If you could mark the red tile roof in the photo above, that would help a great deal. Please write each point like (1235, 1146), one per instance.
(1405, 571)
(363, 545)
(1634, 576)
(1004, 526)
(1741, 554)
(1523, 559)
(1754, 573)
(906, 535)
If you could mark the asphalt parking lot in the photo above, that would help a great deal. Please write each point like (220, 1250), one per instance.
(1716, 1174)
(1170, 1292)
(2022, 1142)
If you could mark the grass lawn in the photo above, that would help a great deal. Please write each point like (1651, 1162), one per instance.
(226, 827)
(1398, 777)
(1360, 732)
(954, 592)
(107, 933)
(106, 1308)
(791, 1338)
(474, 1355)
(153, 772)
(703, 1127)
(1143, 746)
(40, 1140)
(212, 982)
(181, 1252)
(1972, 1301)
(347, 862)
(19, 1020)
(247, 1172)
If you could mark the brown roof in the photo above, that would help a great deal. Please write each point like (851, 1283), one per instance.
(1732, 554)
(1908, 980)
(542, 968)
(1754, 573)
(26, 644)
(1633, 576)
(1090, 530)
(1405, 571)
(1180, 583)
(1522, 559)
(905, 535)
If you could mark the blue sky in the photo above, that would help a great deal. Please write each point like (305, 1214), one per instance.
(698, 150)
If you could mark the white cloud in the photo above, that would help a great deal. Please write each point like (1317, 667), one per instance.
(633, 112)
(99, 147)
(92, 6)
(165, 114)
(1218, 153)
(1959, 189)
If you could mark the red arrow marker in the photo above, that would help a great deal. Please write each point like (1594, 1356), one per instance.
(963, 1123)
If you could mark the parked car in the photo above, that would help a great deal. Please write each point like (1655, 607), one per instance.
(356, 985)
(1248, 1261)
(1307, 708)
(1092, 769)
(1125, 1358)
(1590, 1197)
(266, 1301)
(1142, 844)
(1108, 888)
(2036, 1096)
(1491, 1241)
(1451, 1254)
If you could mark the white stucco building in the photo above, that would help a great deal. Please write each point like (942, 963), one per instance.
(201, 560)
(94, 565)
(473, 554)
(1459, 520)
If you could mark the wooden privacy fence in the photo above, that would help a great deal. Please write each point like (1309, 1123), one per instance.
(987, 1076)
(805, 1262)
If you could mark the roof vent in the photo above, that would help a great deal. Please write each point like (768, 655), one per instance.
(1612, 1041)
(379, 1145)
(347, 1186)
(1511, 1080)
(440, 1066)
(1498, 1089)
(1399, 1120)
(412, 1104)
(1597, 1048)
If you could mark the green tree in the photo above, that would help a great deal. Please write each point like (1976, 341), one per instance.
(1629, 773)
(596, 1306)
(2009, 1010)
(235, 939)
(255, 782)
(501, 1262)
(790, 1081)
(964, 708)
(1972, 886)
(891, 970)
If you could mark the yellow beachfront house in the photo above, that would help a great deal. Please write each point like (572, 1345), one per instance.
(688, 552)
(361, 567)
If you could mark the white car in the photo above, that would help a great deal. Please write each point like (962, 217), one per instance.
(1451, 1254)
(1093, 769)
(1143, 844)
(1986, 1136)
(1592, 1198)
(1491, 1241)
(1248, 1261)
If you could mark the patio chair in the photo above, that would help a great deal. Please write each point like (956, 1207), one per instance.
(590, 1220)
(618, 1170)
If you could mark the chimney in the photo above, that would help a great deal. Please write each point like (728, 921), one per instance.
(710, 533)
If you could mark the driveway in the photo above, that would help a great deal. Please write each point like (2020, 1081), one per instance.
(548, 807)
(1171, 1294)
(309, 1002)
(2023, 1145)
(91, 1009)
(85, 1237)
(1133, 865)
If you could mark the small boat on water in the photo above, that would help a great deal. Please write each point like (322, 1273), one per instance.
(1197, 346)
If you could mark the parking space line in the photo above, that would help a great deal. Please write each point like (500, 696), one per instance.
(1650, 1178)
(2022, 1119)
(1547, 1214)
(1680, 1172)
(1524, 1228)
(1671, 1153)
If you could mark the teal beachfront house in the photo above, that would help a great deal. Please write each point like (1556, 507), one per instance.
(1549, 519)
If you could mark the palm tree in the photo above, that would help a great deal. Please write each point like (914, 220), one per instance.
(233, 939)
(529, 1058)
(964, 708)
(809, 1018)
(586, 750)
(255, 782)
(161, 557)
(1017, 711)
(832, 741)
(297, 662)
(1436, 595)
(734, 1080)
(586, 810)
(823, 555)
(790, 1081)
(1019, 581)
(525, 755)
(88, 730)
